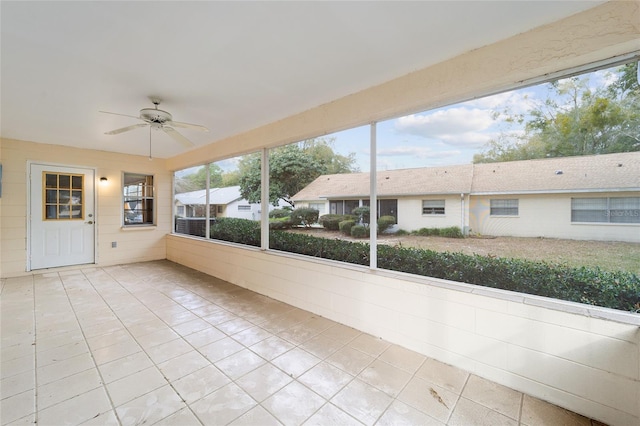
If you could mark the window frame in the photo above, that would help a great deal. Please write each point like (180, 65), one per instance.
(606, 212)
(148, 201)
(433, 211)
(506, 206)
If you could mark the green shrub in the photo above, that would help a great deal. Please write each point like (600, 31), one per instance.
(332, 221)
(427, 232)
(616, 290)
(281, 223)
(334, 249)
(359, 231)
(401, 232)
(363, 214)
(235, 230)
(304, 216)
(450, 232)
(385, 222)
(346, 225)
(279, 213)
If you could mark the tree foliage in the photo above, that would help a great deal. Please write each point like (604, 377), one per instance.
(574, 119)
(198, 180)
(291, 168)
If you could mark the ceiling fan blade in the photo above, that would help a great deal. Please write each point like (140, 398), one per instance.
(123, 115)
(187, 126)
(177, 136)
(125, 129)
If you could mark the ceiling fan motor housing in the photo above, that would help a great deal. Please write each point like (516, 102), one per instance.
(154, 115)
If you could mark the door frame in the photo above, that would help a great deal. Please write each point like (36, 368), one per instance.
(29, 210)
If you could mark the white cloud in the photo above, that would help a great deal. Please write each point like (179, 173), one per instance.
(516, 101)
(416, 151)
(468, 139)
(445, 122)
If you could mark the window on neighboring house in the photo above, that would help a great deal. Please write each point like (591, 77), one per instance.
(433, 207)
(318, 206)
(138, 199)
(220, 209)
(180, 210)
(343, 206)
(606, 210)
(244, 208)
(508, 207)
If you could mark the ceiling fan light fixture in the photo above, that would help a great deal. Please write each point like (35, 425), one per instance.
(160, 120)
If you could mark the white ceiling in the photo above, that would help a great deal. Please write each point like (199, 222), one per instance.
(231, 66)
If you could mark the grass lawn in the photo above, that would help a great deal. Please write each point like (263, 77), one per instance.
(613, 256)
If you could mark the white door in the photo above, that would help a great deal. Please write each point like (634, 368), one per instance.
(61, 216)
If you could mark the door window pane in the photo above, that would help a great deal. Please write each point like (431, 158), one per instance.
(58, 196)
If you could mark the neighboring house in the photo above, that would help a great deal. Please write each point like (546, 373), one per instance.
(584, 198)
(224, 202)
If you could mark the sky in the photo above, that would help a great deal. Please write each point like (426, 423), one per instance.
(445, 136)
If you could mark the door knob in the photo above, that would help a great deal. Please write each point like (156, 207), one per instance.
(90, 222)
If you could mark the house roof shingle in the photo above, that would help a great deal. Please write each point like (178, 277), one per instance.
(608, 172)
(440, 180)
(566, 174)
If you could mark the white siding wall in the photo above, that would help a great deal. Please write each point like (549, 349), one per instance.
(253, 213)
(548, 216)
(134, 244)
(586, 364)
(410, 217)
(323, 210)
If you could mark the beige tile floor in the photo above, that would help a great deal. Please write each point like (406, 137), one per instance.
(158, 343)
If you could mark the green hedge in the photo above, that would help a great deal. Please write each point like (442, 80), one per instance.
(242, 231)
(281, 223)
(279, 213)
(450, 232)
(334, 249)
(360, 231)
(346, 225)
(385, 222)
(304, 216)
(593, 286)
(332, 221)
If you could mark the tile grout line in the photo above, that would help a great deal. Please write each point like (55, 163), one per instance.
(115, 411)
(521, 408)
(466, 382)
(269, 362)
(35, 352)
(188, 406)
(296, 343)
(95, 364)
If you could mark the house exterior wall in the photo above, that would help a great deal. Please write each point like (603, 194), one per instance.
(135, 244)
(549, 216)
(410, 217)
(557, 351)
(232, 210)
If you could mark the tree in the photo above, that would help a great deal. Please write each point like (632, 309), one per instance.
(198, 180)
(291, 168)
(574, 119)
(321, 150)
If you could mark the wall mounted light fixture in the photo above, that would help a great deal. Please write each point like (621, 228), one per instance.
(103, 180)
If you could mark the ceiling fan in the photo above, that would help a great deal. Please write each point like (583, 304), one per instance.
(160, 120)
